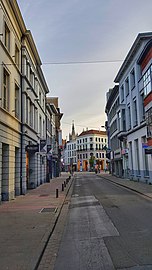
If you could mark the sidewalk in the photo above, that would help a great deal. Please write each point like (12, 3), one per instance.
(138, 187)
(25, 228)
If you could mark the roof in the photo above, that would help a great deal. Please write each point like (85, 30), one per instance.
(112, 96)
(131, 53)
(93, 132)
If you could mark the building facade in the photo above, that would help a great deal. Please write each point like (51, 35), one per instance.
(70, 155)
(114, 145)
(10, 96)
(23, 116)
(133, 114)
(91, 148)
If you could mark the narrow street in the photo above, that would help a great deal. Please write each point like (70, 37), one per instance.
(108, 227)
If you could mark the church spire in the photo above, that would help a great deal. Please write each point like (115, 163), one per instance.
(73, 130)
(72, 136)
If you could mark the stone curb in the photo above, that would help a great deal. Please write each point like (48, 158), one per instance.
(125, 186)
(55, 222)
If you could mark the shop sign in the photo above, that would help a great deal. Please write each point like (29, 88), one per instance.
(117, 154)
(32, 148)
(148, 151)
(42, 144)
(144, 145)
(124, 151)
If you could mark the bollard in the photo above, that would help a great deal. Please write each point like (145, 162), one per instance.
(57, 193)
(62, 187)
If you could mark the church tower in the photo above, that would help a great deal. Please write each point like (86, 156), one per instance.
(72, 136)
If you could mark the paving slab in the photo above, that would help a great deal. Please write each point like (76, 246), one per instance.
(25, 228)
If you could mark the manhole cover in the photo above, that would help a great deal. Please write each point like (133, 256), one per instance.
(47, 210)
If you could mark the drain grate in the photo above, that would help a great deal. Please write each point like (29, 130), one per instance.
(47, 210)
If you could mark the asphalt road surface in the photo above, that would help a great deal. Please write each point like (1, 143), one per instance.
(108, 227)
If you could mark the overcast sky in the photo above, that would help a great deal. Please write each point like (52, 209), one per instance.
(81, 31)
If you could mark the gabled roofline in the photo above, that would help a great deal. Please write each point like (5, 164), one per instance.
(18, 15)
(131, 53)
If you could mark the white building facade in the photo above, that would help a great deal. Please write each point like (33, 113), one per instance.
(91, 143)
(130, 114)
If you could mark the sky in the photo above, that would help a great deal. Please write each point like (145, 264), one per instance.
(96, 31)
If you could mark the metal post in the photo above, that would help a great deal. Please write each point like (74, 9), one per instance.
(57, 193)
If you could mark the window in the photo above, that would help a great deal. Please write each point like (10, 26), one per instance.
(147, 81)
(27, 108)
(149, 122)
(31, 77)
(137, 157)
(135, 112)
(86, 139)
(102, 139)
(40, 126)
(5, 94)
(122, 93)
(132, 79)
(16, 101)
(96, 155)
(43, 128)
(40, 96)
(123, 120)
(91, 139)
(7, 37)
(131, 158)
(102, 155)
(142, 110)
(96, 139)
(91, 146)
(127, 87)
(129, 118)
(16, 55)
(145, 159)
(86, 155)
(31, 114)
(119, 119)
(96, 146)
